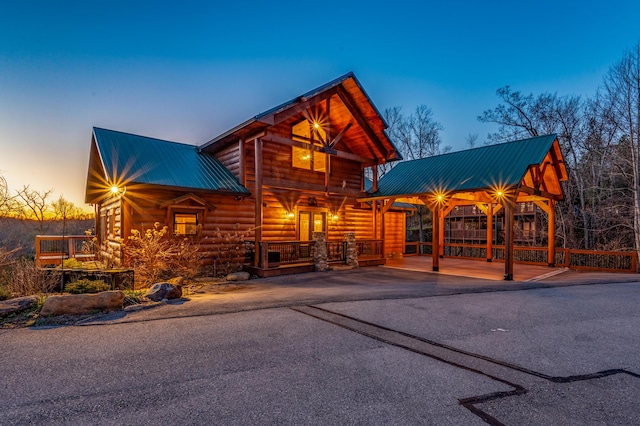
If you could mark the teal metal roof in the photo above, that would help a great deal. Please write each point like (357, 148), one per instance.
(138, 159)
(474, 169)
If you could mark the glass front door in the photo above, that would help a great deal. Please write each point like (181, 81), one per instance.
(310, 222)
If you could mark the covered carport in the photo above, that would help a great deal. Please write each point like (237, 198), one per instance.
(492, 177)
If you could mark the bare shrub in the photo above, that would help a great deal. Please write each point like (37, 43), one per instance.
(22, 278)
(229, 250)
(150, 254)
(155, 256)
(187, 261)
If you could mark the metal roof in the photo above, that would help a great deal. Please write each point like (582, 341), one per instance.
(261, 121)
(137, 159)
(474, 169)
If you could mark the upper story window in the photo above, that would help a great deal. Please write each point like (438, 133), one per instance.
(185, 223)
(303, 158)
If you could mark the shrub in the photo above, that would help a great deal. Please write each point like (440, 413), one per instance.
(229, 249)
(134, 297)
(22, 278)
(154, 255)
(71, 263)
(4, 293)
(86, 286)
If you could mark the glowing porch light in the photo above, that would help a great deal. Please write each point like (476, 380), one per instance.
(115, 190)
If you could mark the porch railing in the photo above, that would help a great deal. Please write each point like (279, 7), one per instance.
(275, 254)
(53, 249)
(369, 249)
(611, 261)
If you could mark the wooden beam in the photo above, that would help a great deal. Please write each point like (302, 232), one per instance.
(386, 207)
(374, 178)
(303, 105)
(483, 208)
(540, 193)
(309, 187)
(435, 239)
(508, 244)
(489, 214)
(353, 109)
(271, 137)
(259, 201)
(551, 234)
(543, 206)
(339, 135)
(479, 196)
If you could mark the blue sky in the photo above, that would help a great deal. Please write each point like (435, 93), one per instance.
(188, 71)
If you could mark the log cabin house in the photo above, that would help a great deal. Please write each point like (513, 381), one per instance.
(277, 178)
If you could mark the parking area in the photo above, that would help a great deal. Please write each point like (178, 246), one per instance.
(370, 346)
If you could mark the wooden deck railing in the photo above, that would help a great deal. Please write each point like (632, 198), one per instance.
(53, 249)
(610, 261)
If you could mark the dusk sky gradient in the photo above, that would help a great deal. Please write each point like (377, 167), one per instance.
(188, 71)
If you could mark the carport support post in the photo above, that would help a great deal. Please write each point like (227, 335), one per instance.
(435, 237)
(551, 234)
(490, 232)
(441, 233)
(508, 244)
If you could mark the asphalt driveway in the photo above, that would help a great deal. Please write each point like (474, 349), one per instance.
(370, 346)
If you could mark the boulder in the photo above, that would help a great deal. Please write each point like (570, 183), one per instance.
(18, 304)
(162, 291)
(176, 280)
(76, 304)
(238, 276)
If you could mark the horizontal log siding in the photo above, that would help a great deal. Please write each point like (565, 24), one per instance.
(228, 216)
(229, 157)
(394, 230)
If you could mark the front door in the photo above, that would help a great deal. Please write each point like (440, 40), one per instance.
(310, 222)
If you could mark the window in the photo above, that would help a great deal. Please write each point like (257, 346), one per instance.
(185, 223)
(311, 134)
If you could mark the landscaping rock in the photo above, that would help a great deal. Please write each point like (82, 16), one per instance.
(238, 276)
(76, 304)
(162, 291)
(176, 280)
(18, 304)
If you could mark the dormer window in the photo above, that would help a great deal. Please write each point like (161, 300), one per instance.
(304, 158)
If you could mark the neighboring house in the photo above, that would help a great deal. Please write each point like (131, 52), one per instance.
(296, 169)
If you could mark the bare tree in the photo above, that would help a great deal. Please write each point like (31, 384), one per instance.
(416, 136)
(35, 206)
(621, 93)
(6, 199)
(471, 140)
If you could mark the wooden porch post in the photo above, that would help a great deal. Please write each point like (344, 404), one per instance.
(435, 237)
(374, 212)
(490, 232)
(382, 230)
(508, 243)
(441, 233)
(551, 234)
(258, 212)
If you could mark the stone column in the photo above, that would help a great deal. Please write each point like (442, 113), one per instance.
(352, 250)
(320, 259)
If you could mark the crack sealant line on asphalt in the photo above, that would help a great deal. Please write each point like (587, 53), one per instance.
(400, 340)
(554, 379)
(454, 357)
